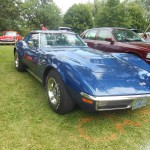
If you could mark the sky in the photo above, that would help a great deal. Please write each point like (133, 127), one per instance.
(66, 4)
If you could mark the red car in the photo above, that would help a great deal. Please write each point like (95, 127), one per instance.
(117, 40)
(10, 37)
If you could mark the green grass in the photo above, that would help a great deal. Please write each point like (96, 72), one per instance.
(28, 123)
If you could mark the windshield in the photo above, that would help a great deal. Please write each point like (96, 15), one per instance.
(60, 39)
(10, 33)
(123, 35)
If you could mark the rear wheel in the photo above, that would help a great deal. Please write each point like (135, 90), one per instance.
(59, 99)
(18, 64)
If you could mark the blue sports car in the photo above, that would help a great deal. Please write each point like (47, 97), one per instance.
(76, 74)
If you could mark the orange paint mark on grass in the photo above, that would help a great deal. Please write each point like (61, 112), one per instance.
(84, 135)
(145, 120)
(145, 112)
(113, 118)
(120, 126)
(87, 120)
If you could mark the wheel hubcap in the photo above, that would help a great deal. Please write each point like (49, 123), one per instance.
(53, 91)
(16, 60)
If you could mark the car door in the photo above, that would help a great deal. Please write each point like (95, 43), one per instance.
(106, 41)
(89, 37)
(31, 52)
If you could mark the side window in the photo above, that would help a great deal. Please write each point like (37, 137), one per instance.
(32, 40)
(90, 35)
(103, 34)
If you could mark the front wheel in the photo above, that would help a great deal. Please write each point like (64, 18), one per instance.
(59, 99)
(18, 64)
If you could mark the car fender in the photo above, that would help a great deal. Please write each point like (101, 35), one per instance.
(133, 59)
(77, 77)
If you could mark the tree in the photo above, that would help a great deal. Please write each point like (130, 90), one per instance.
(79, 18)
(138, 16)
(146, 5)
(113, 14)
(9, 14)
(36, 12)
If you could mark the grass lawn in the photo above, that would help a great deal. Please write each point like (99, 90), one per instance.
(28, 123)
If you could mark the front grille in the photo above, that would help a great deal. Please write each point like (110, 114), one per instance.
(111, 105)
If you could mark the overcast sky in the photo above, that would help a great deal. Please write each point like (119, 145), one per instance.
(65, 4)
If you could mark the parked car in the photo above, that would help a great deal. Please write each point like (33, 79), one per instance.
(65, 29)
(73, 73)
(117, 40)
(134, 30)
(10, 37)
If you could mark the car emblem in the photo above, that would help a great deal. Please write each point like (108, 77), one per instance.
(142, 83)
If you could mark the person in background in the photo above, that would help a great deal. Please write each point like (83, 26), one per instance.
(144, 36)
(42, 27)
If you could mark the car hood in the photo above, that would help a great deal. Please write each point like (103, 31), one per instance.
(136, 45)
(107, 71)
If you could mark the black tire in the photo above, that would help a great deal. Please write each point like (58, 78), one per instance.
(59, 100)
(18, 64)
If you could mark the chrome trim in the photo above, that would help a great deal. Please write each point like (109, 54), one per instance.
(115, 98)
(7, 42)
(34, 75)
(105, 109)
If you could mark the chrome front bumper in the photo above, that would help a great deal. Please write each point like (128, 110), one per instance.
(4, 42)
(118, 102)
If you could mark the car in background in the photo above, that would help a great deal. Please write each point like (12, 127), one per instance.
(134, 30)
(65, 29)
(73, 73)
(10, 37)
(119, 40)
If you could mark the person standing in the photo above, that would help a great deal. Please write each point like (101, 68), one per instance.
(42, 27)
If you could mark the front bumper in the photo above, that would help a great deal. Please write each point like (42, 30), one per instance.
(7, 42)
(118, 102)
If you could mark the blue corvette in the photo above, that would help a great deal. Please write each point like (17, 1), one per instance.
(76, 74)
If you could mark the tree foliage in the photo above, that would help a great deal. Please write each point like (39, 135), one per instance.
(36, 12)
(113, 14)
(79, 18)
(29, 14)
(25, 15)
(9, 14)
(137, 16)
(146, 6)
(116, 13)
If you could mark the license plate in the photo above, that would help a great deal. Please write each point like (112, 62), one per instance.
(139, 103)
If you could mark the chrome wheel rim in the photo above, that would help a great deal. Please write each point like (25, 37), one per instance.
(53, 91)
(16, 60)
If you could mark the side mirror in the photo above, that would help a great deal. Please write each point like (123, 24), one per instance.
(109, 40)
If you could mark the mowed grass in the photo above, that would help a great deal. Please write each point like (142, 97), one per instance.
(28, 123)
